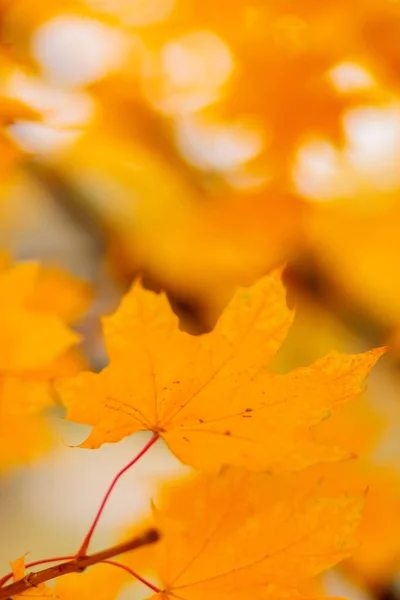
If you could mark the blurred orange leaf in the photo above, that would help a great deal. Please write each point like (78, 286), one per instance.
(245, 535)
(30, 339)
(36, 346)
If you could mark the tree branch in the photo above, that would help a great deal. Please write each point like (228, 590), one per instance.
(76, 565)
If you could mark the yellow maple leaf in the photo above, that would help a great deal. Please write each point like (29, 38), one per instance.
(144, 560)
(244, 535)
(211, 397)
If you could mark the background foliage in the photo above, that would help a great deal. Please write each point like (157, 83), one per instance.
(199, 145)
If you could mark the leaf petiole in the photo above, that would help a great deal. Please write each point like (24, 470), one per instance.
(85, 544)
(114, 563)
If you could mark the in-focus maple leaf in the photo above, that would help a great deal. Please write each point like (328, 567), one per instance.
(211, 397)
(243, 535)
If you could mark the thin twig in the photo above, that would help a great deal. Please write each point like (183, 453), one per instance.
(36, 563)
(77, 565)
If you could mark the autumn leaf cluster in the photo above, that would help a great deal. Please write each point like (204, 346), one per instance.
(258, 519)
(196, 147)
(229, 532)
